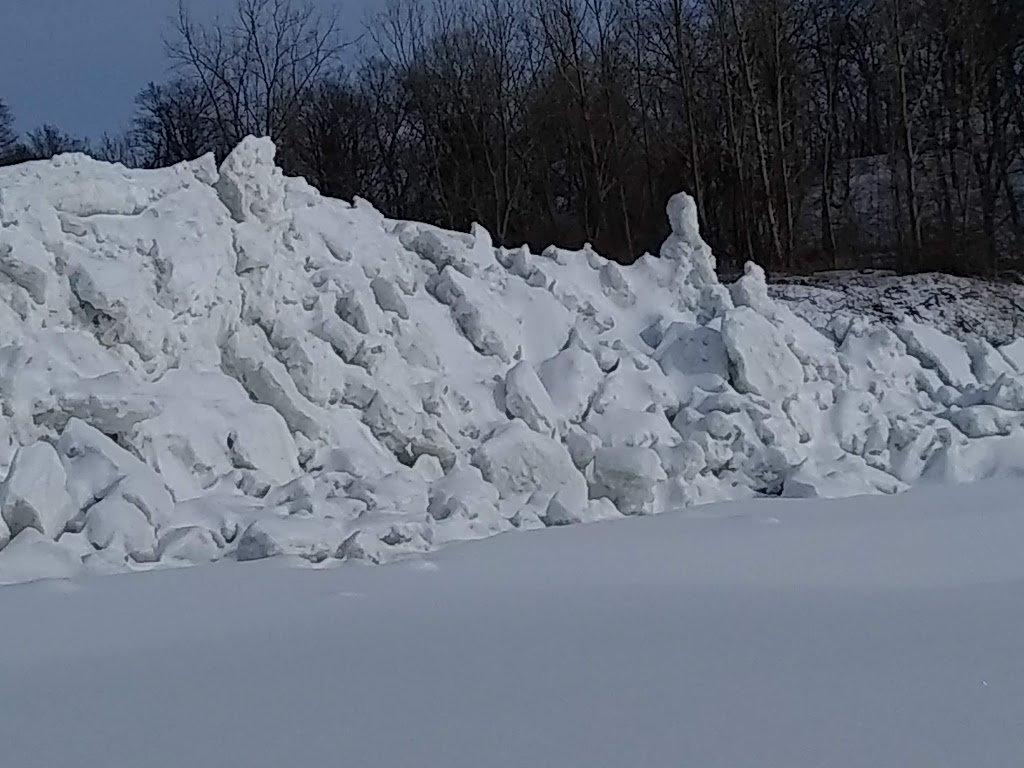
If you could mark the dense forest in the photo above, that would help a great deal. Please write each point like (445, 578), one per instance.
(812, 133)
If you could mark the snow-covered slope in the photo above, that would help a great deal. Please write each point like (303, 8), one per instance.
(875, 632)
(200, 363)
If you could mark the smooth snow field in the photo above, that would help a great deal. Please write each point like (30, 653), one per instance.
(882, 632)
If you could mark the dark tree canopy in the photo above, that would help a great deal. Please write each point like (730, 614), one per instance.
(812, 133)
(8, 138)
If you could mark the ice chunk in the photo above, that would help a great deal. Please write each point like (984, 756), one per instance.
(764, 364)
(516, 460)
(112, 403)
(846, 476)
(97, 468)
(683, 461)
(389, 297)
(987, 363)
(969, 461)
(439, 250)
(250, 184)
(250, 360)
(116, 523)
(860, 426)
(629, 477)
(615, 285)
(624, 427)
(571, 377)
(353, 449)
(636, 384)
(1007, 392)
(582, 445)
(28, 263)
(359, 311)
(191, 544)
(209, 427)
(1014, 354)
(751, 290)
(485, 323)
(562, 511)
(526, 398)
(693, 356)
(35, 495)
(987, 421)
(429, 468)
(403, 491)
(31, 556)
(463, 491)
(685, 244)
(311, 538)
(938, 351)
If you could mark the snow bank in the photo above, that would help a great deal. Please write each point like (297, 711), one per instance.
(201, 363)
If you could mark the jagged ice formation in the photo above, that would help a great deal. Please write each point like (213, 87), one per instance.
(201, 363)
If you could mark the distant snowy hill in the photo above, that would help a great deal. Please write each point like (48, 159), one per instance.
(201, 363)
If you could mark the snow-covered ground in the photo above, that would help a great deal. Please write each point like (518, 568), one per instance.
(882, 632)
(963, 307)
(202, 363)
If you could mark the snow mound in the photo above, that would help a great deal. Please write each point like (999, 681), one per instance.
(201, 363)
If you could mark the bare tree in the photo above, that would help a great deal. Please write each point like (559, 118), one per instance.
(335, 145)
(48, 141)
(256, 69)
(8, 138)
(904, 109)
(120, 148)
(836, 132)
(174, 122)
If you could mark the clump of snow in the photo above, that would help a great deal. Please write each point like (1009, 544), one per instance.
(764, 363)
(629, 478)
(35, 495)
(200, 364)
(518, 461)
(191, 544)
(31, 556)
(527, 399)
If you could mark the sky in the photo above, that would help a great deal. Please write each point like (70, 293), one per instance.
(79, 63)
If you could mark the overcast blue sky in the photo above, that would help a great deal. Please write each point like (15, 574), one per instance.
(79, 63)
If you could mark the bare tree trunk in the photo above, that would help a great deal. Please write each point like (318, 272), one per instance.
(684, 64)
(909, 153)
(780, 129)
(742, 190)
(759, 139)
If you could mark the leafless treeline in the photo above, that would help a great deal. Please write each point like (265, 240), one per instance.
(813, 133)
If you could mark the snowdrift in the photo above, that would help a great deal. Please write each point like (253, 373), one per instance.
(201, 363)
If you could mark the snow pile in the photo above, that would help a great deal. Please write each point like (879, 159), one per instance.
(199, 363)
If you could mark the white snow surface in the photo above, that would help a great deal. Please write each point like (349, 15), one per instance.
(200, 364)
(878, 631)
